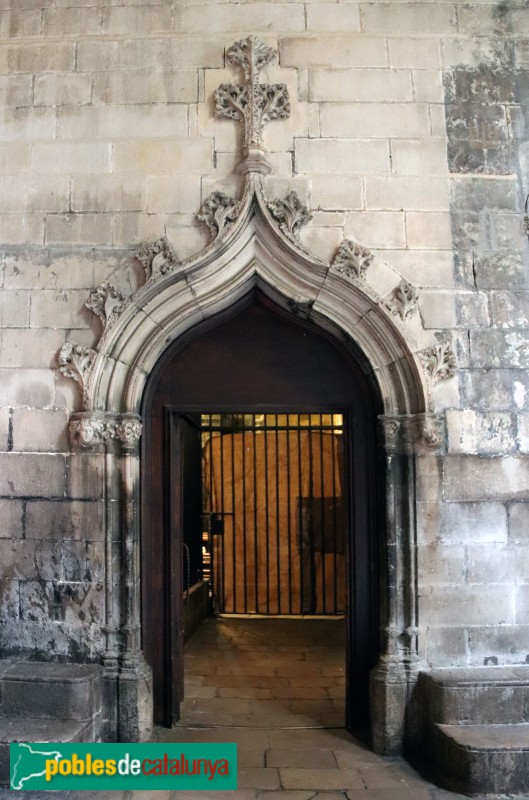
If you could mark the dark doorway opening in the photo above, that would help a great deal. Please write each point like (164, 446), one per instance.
(257, 362)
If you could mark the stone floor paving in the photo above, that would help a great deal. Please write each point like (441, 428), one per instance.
(276, 688)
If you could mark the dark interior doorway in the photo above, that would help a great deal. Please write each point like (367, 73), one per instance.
(256, 361)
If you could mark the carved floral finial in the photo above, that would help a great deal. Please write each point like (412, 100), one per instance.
(352, 259)
(217, 211)
(157, 259)
(403, 300)
(107, 302)
(291, 214)
(438, 360)
(251, 102)
(75, 361)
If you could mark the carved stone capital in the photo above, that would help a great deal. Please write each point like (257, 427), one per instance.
(438, 360)
(91, 429)
(352, 260)
(290, 213)
(75, 361)
(217, 211)
(423, 432)
(413, 433)
(403, 301)
(157, 258)
(106, 302)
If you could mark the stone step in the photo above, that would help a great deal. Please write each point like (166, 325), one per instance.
(13, 729)
(51, 691)
(482, 759)
(477, 695)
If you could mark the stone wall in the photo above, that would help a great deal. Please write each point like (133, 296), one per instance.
(406, 134)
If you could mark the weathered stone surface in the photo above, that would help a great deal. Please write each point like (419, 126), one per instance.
(495, 389)
(32, 475)
(71, 603)
(49, 519)
(506, 478)
(473, 522)
(519, 522)
(11, 514)
(39, 430)
(494, 348)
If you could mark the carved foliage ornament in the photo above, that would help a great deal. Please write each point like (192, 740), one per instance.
(252, 103)
(106, 302)
(438, 361)
(352, 260)
(90, 430)
(75, 361)
(218, 211)
(404, 300)
(157, 258)
(291, 214)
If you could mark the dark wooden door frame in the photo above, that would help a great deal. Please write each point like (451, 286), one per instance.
(363, 542)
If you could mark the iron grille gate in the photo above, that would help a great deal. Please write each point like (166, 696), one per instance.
(273, 513)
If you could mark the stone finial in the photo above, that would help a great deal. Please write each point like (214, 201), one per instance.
(75, 361)
(157, 259)
(107, 302)
(217, 211)
(251, 102)
(438, 361)
(352, 260)
(403, 301)
(291, 214)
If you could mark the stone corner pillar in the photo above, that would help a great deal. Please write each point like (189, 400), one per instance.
(394, 677)
(127, 678)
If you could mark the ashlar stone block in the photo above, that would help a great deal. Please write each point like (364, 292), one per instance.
(62, 89)
(473, 478)
(40, 430)
(341, 156)
(333, 51)
(11, 514)
(467, 605)
(377, 120)
(146, 87)
(63, 520)
(519, 522)
(32, 475)
(473, 522)
(360, 85)
(131, 123)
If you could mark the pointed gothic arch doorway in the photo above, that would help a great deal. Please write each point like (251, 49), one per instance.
(255, 358)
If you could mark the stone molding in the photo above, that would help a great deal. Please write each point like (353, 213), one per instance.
(92, 430)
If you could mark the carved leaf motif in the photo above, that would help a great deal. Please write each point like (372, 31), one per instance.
(291, 214)
(231, 101)
(90, 429)
(404, 300)
(439, 361)
(128, 432)
(75, 361)
(158, 258)
(217, 211)
(252, 54)
(352, 259)
(107, 302)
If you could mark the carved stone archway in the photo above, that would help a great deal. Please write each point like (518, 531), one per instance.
(255, 243)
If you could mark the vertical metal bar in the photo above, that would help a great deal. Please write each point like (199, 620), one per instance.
(311, 544)
(267, 559)
(289, 532)
(334, 542)
(243, 440)
(212, 505)
(278, 506)
(222, 599)
(233, 524)
(255, 500)
(322, 522)
(300, 522)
